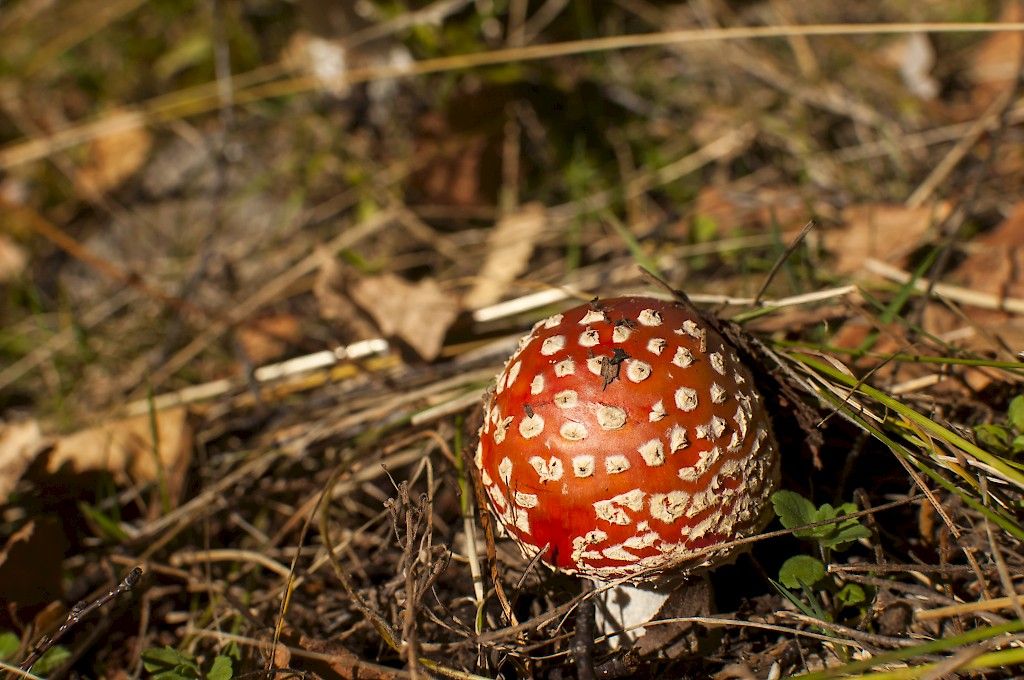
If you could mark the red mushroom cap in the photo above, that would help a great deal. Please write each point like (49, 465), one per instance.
(623, 436)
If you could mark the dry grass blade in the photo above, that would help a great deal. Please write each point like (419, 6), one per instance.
(162, 110)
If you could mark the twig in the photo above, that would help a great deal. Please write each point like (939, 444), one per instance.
(264, 374)
(779, 261)
(964, 296)
(924, 593)
(723, 622)
(851, 633)
(351, 661)
(435, 13)
(583, 638)
(90, 258)
(492, 560)
(962, 657)
(228, 555)
(290, 579)
(995, 604)
(78, 613)
(942, 569)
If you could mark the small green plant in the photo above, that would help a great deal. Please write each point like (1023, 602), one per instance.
(9, 644)
(796, 511)
(824, 597)
(51, 660)
(1005, 438)
(168, 663)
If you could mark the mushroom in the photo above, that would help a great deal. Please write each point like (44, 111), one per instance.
(624, 440)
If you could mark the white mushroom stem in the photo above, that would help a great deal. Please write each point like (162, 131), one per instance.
(622, 611)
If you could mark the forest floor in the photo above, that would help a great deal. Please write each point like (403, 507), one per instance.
(261, 262)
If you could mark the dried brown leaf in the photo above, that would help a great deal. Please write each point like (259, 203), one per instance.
(888, 232)
(125, 448)
(267, 338)
(330, 288)
(993, 66)
(456, 165)
(735, 212)
(995, 265)
(418, 313)
(20, 443)
(509, 246)
(113, 158)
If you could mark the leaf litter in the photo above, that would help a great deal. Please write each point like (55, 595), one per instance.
(314, 515)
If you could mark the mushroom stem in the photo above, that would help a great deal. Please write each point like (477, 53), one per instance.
(623, 610)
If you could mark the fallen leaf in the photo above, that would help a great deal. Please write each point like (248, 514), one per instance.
(890, 339)
(418, 313)
(30, 563)
(125, 449)
(982, 335)
(343, 662)
(994, 265)
(730, 212)
(882, 231)
(267, 338)
(112, 159)
(509, 246)
(13, 259)
(993, 66)
(20, 443)
(456, 166)
(330, 288)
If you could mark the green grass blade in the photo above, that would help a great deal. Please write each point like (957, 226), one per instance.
(934, 647)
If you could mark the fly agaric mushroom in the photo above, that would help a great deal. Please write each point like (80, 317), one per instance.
(623, 437)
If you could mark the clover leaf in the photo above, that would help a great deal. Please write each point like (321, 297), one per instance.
(801, 570)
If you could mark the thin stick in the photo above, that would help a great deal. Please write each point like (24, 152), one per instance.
(943, 569)
(79, 612)
(583, 637)
(228, 555)
(995, 604)
(964, 296)
(794, 244)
